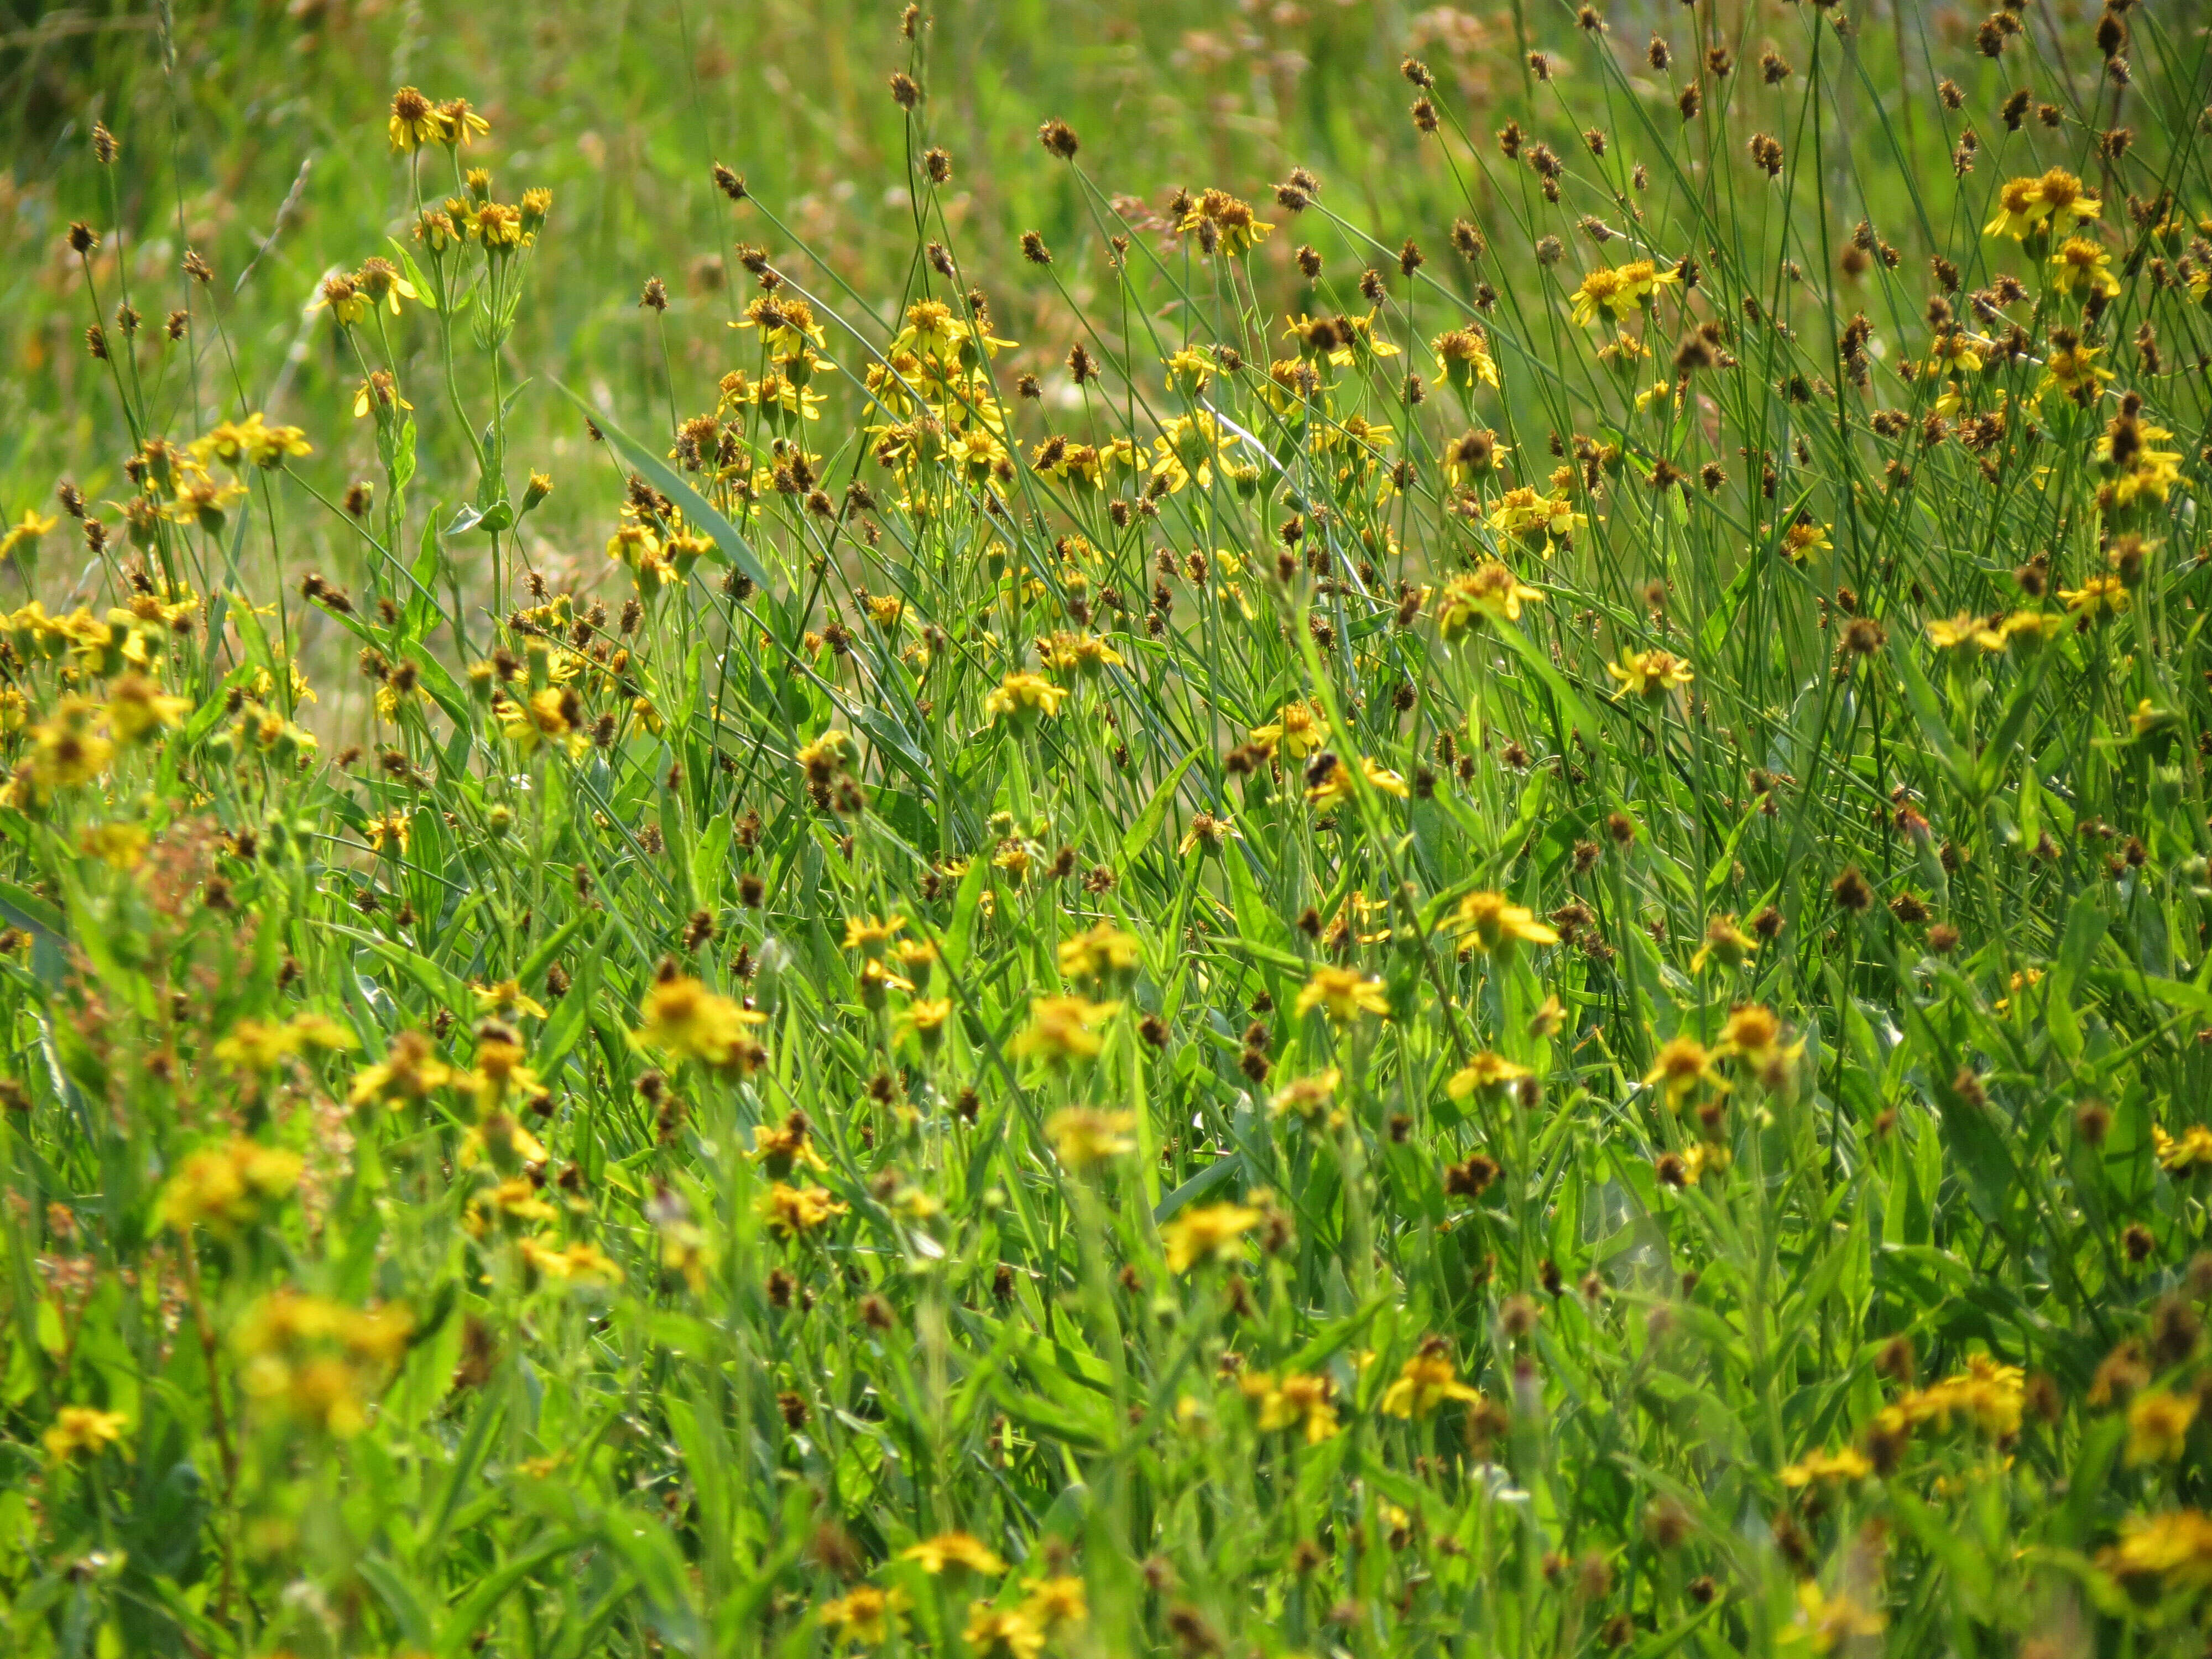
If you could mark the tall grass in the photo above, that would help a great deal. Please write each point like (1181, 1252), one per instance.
(1440, 891)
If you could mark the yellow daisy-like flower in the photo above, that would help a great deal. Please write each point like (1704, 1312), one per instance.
(1681, 1064)
(1206, 1234)
(1023, 696)
(1343, 994)
(1063, 1029)
(83, 1430)
(1489, 592)
(1425, 1382)
(1492, 923)
(1649, 674)
(952, 1549)
(1486, 1071)
(2081, 267)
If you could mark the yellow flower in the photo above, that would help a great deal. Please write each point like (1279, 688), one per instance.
(1825, 1621)
(1297, 732)
(1494, 924)
(1219, 219)
(580, 1263)
(66, 752)
(2191, 1152)
(1849, 1464)
(414, 121)
(1299, 1401)
(1344, 993)
(952, 1549)
(1053, 1602)
(2158, 1426)
(225, 1187)
(2097, 596)
(1307, 1097)
(1725, 942)
(1063, 1029)
(118, 845)
(794, 1212)
(865, 1615)
(871, 935)
(2080, 265)
(1486, 1071)
(1533, 519)
(1022, 696)
(1681, 1064)
(1425, 1382)
(1463, 358)
(24, 532)
(1649, 674)
(2176, 1546)
(1206, 1234)
(1334, 784)
(82, 1430)
(684, 1020)
(1100, 953)
(1490, 590)
(1083, 1137)
(1002, 1632)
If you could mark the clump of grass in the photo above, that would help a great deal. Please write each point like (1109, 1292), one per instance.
(1492, 939)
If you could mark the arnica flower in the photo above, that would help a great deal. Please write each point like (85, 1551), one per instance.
(1100, 953)
(1803, 538)
(137, 707)
(1054, 1602)
(2186, 1155)
(1964, 631)
(322, 1363)
(1302, 1402)
(1487, 1070)
(66, 752)
(414, 122)
(1206, 1234)
(2081, 267)
(1681, 1064)
(2175, 1546)
(865, 1615)
(1219, 219)
(24, 533)
(1332, 783)
(1085, 1138)
(1299, 730)
(1649, 674)
(1463, 359)
(1849, 1464)
(254, 1045)
(794, 1212)
(1185, 450)
(1087, 654)
(1022, 696)
(83, 1430)
(1063, 1029)
(684, 1020)
(1307, 1098)
(2158, 1426)
(1825, 1622)
(406, 1075)
(1426, 1381)
(1493, 924)
(1533, 519)
(952, 1549)
(1343, 994)
(1988, 1394)
(1726, 944)
(1490, 591)
(871, 935)
(580, 1263)
(2097, 598)
(995, 1633)
(780, 1147)
(924, 1017)
(2054, 202)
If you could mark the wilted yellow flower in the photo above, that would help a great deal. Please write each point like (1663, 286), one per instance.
(1297, 732)
(1490, 590)
(1307, 1097)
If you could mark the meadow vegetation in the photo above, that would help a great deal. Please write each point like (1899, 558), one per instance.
(1270, 831)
